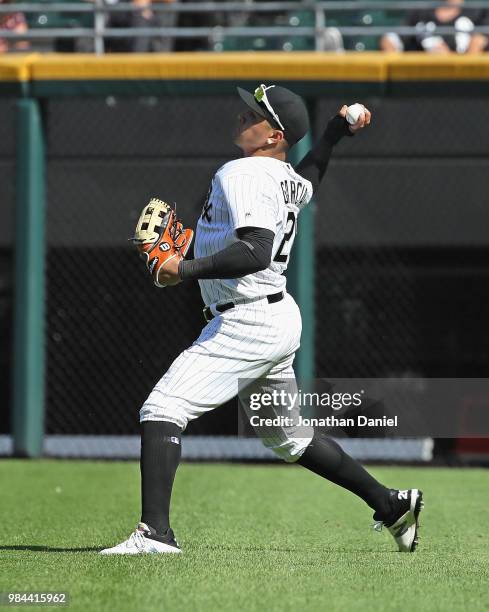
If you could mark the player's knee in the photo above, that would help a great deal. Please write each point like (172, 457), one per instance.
(285, 456)
(150, 412)
(290, 450)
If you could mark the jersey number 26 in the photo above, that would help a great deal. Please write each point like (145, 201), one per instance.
(283, 252)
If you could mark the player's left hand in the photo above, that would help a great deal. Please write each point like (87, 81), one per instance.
(168, 275)
(162, 241)
(363, 120)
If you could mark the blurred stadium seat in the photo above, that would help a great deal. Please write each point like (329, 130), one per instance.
(48, 19)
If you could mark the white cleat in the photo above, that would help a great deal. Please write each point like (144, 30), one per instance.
(139, 543)
(404, 529)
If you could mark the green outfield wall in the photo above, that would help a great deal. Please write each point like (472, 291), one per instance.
(86, 140)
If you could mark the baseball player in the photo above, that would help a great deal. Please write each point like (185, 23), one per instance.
(243, 242)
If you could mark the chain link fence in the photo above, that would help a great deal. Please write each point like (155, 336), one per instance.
(111, 334)
(402, 255)
(402, 259)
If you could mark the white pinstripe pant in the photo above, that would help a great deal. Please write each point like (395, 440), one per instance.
(250, 341)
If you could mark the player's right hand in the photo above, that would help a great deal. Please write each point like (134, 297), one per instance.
(363, 120)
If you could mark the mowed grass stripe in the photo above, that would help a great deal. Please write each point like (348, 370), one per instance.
(254, 538)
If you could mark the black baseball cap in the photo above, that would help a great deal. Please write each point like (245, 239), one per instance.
(282, 108)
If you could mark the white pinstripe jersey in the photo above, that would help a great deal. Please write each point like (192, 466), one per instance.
(250, 192)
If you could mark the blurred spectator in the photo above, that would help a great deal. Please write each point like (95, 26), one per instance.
(454, 14)
(70, 20)
(146, 17)
(15, 22)
(200, 19)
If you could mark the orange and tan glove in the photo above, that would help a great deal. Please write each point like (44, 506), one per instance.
(160, 237)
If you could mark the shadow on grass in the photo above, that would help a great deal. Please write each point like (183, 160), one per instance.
(49, 548)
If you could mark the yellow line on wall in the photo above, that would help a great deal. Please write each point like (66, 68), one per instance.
(419, 67)
(185, 66)
(16, 68)
(255, 66)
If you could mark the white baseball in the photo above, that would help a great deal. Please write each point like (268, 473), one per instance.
(353, 113)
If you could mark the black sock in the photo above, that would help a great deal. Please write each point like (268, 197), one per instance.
(326, 458)
(160, 456)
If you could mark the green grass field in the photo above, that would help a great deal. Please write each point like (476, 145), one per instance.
(254, 538)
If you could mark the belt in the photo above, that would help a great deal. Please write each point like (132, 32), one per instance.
(208, 314)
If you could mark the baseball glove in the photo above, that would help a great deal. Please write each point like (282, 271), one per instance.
(160, 237)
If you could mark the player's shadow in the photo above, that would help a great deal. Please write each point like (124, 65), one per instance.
(50, 548)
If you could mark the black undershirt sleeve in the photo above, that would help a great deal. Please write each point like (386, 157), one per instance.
(313, 166)
(251, 253)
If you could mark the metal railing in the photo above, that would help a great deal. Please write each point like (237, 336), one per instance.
(100, 9)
